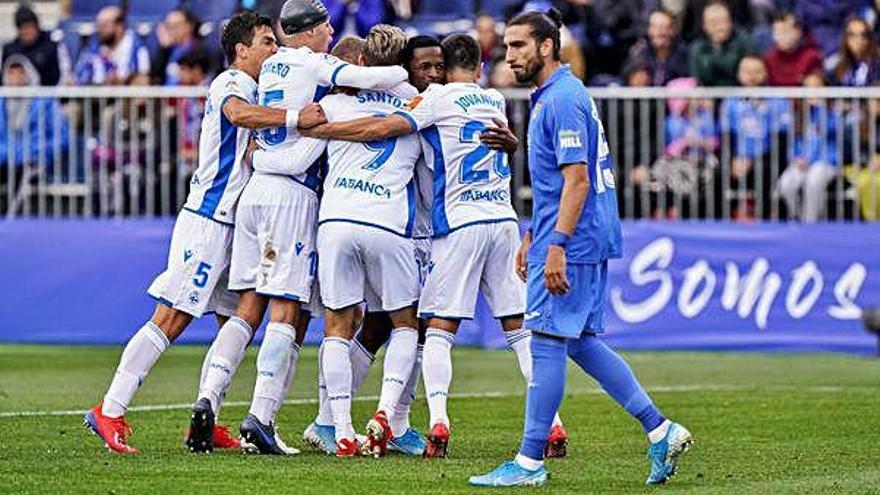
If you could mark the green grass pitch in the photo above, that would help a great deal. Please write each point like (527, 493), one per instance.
(762, 424)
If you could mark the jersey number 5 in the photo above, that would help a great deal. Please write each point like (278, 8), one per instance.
(470, 133)
(275, 135)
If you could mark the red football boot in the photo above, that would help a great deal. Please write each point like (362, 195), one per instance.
(556, 443)
(223, 440)
(347, 448)
(113, 431)
(438, 441)
(378, 434)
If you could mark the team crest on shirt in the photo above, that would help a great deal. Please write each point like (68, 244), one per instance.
(413, 103)
(536, 109)
(193, 298)
(570, 139)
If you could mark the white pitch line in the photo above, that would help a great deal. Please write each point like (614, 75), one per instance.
(464, 395)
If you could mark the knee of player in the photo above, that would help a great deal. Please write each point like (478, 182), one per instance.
(284, 311)
(512, 323)
(171, 321)
(450, 326)
(375, 331)
(404, 318)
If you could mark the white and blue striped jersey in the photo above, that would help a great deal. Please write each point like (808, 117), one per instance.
(371, 183)
(291, 79)
(218, 181)
(471, 183)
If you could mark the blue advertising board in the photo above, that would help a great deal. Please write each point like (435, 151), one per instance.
(685, 285)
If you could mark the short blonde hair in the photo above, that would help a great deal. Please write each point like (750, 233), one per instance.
(383, 46)
(349, 49)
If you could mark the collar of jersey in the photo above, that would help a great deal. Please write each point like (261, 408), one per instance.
(562, 71)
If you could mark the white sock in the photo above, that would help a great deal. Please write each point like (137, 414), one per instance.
(437, 373)
(140, 354)
(291, 372)
(399, 358)
(399, 420)
(223, 359)
(325, 415)
(659, 433)
(361, 360)
(528, 462)
(273, 362)
(336, 366)
(520, 342)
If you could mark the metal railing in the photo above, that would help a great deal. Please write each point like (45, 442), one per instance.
(706, 153)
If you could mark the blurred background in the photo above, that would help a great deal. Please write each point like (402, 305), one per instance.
(744, 136)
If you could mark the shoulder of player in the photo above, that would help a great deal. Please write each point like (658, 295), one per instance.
(232, 81)
(571, 94)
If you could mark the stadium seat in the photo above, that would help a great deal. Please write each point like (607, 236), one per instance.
(449, 8)
(86, 10)
(216, 10)
(151, 9)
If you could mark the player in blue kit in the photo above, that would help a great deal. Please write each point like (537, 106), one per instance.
(564, 257)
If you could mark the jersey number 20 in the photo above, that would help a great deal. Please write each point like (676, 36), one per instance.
(470, 133)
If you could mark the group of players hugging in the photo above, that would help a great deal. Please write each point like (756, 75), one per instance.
(372, 187)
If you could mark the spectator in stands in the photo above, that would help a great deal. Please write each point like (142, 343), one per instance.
(571, 53)
(116, 55)
(814, 164)
(793, 55)
(753, 125)
(666, 57)
(501, 75)
(30, 128)
(195, 68)
(637, 147)
(490, 43)
(178, 36)
(715, 57)
(858, 62)
(194, 71)
(689, 168)
(692, 19)
(364, 13)
(822, 19)
(611, 28)
(50, 59)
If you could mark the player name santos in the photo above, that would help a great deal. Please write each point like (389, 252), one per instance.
(495, 195)
(363, 186)
(380, 97)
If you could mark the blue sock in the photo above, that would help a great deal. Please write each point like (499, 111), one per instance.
(544, 393)
(615, 377)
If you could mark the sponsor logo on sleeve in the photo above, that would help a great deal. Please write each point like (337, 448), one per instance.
(570, 139)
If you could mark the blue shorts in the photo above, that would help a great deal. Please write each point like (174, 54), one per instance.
(581, 310)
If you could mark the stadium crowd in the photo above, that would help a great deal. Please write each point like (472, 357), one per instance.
(635, 43)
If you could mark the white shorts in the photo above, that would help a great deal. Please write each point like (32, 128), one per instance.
(422, 248)
(361, 263)
(274, 247)
(198, 268)
(478, 257)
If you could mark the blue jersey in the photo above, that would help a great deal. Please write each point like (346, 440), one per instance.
(752, 124)
(565, 129)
